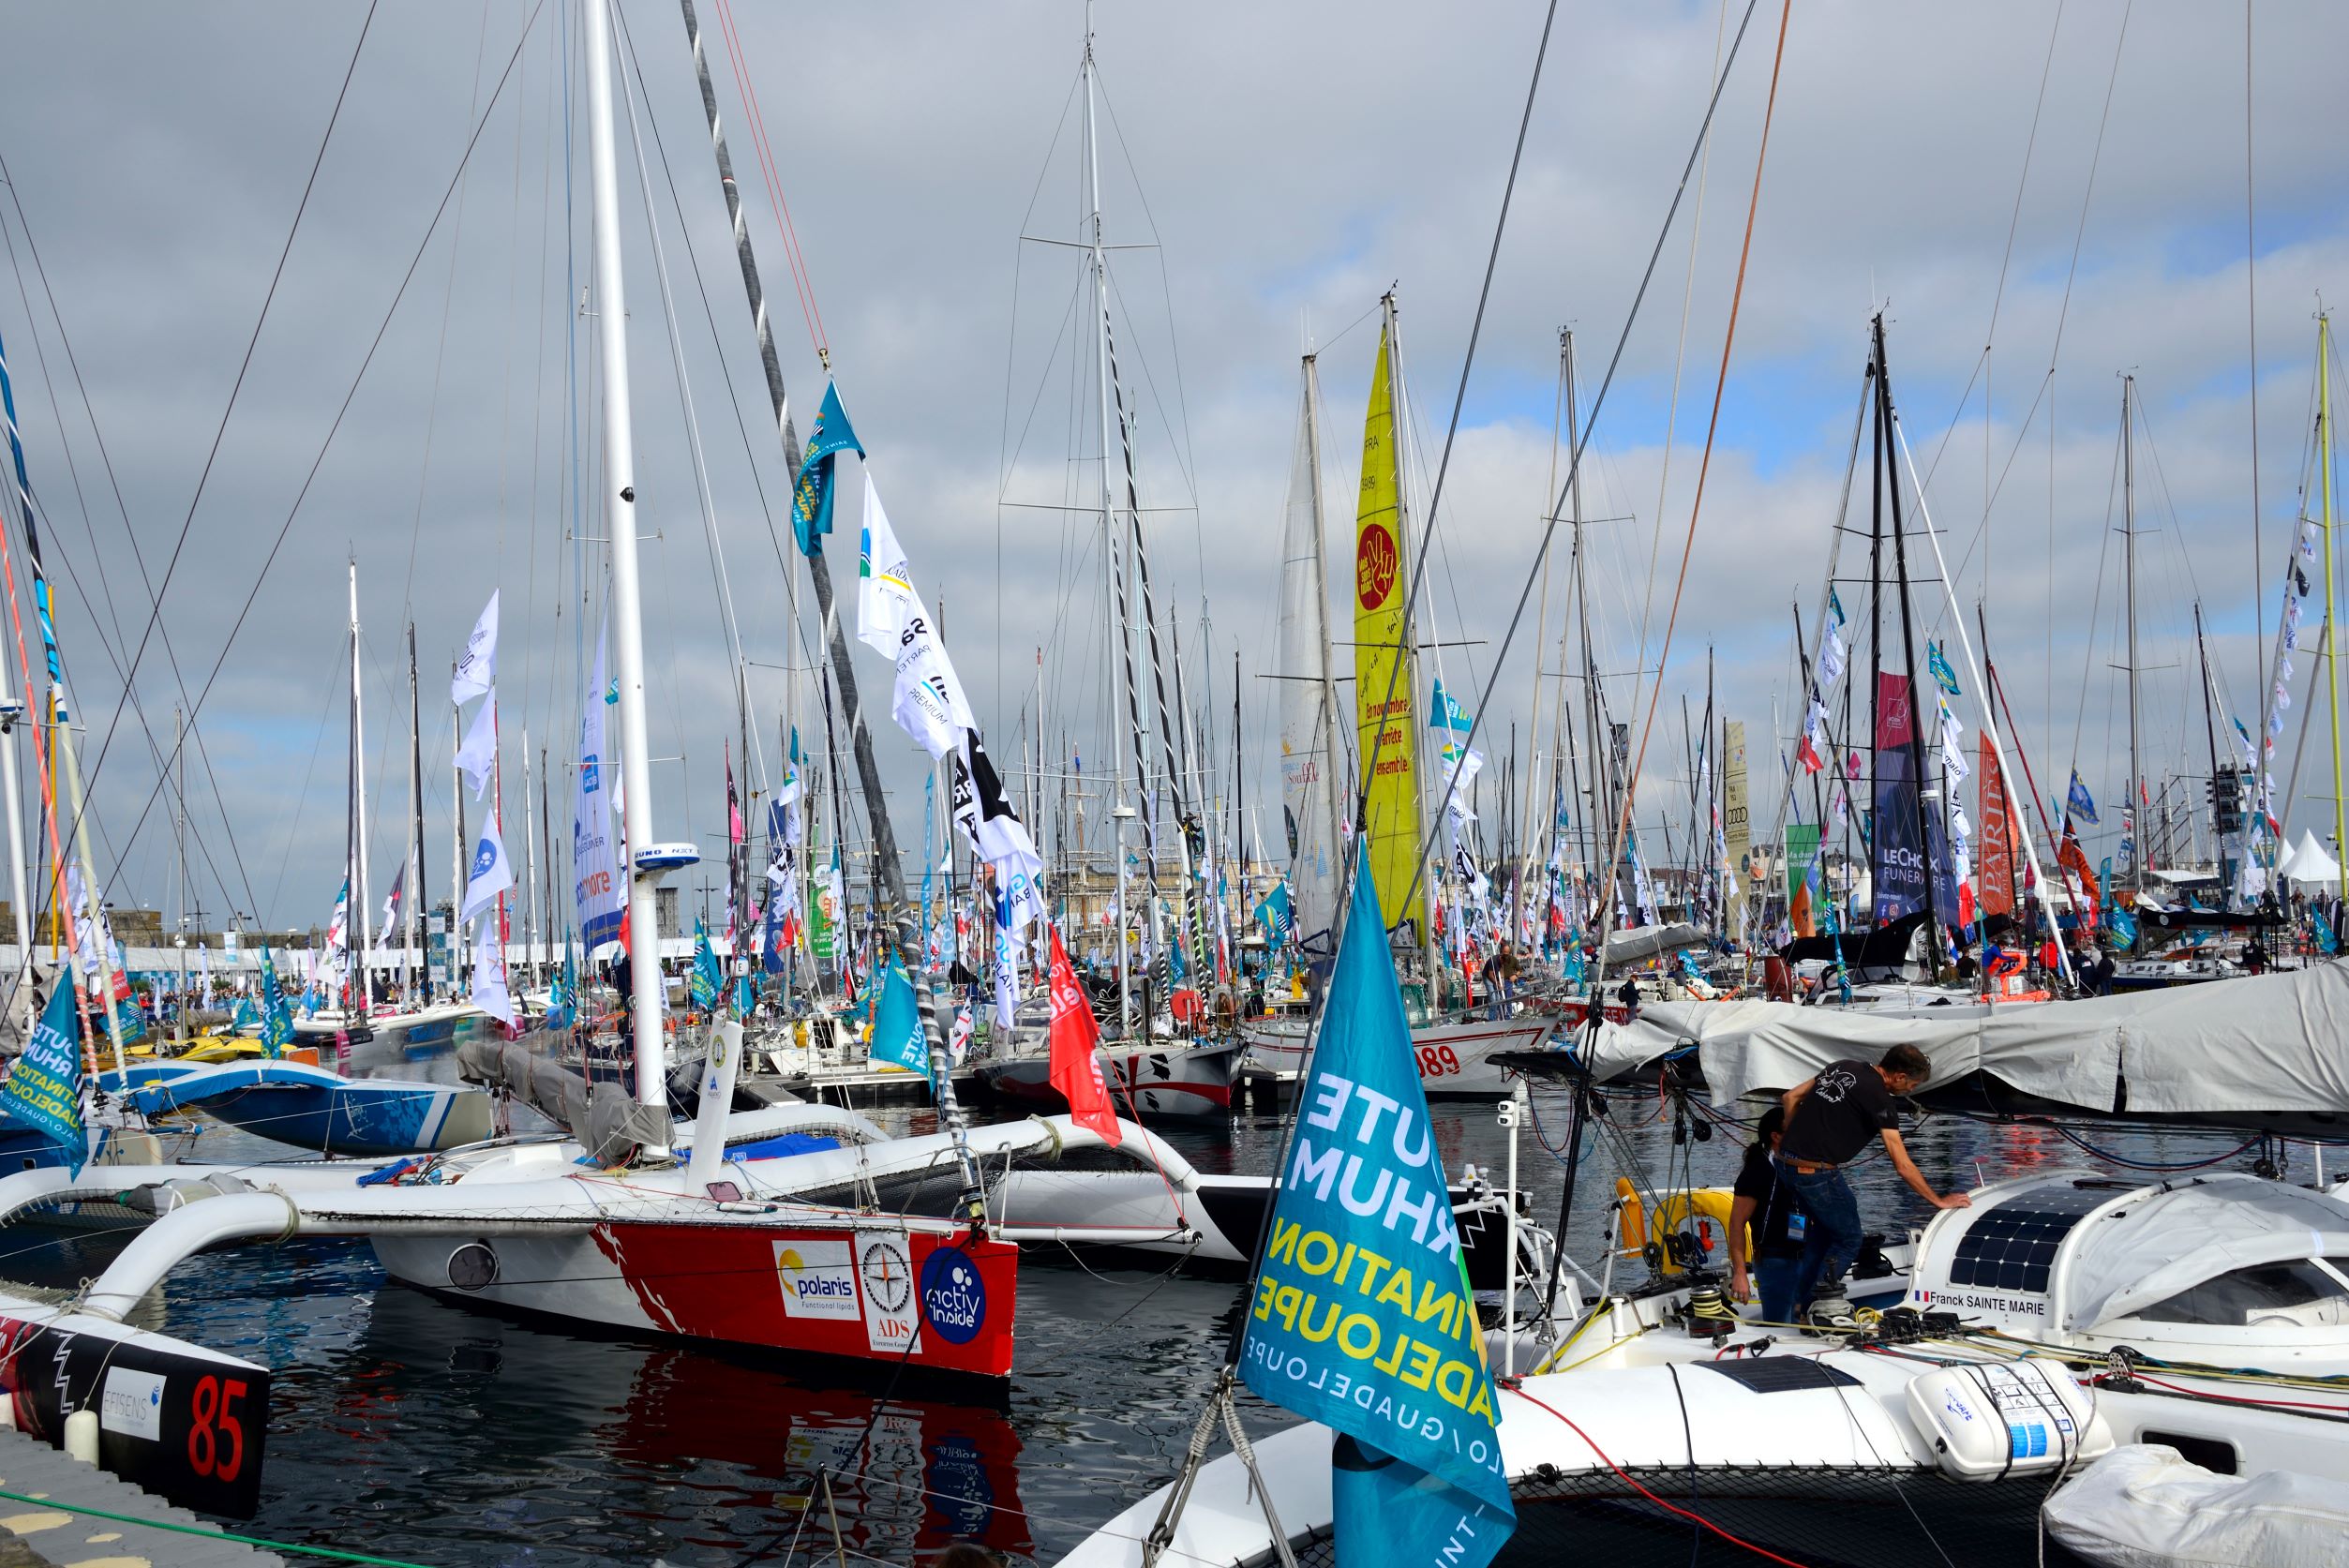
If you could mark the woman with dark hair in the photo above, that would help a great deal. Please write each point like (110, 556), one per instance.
(1768, 1205)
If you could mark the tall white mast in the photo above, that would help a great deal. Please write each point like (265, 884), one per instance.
(2140, 838)
(1111, 629)
(357, 922)
(619, 496)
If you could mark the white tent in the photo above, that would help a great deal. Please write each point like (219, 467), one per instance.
(2306, 862)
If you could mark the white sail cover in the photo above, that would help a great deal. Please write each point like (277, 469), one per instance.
(2260, 1043)
(596, 869)
(1309, 719)
(2144, 1505)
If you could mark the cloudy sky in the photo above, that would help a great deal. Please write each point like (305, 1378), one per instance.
(1273, 170)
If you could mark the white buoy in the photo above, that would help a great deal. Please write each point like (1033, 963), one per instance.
(82, 1436)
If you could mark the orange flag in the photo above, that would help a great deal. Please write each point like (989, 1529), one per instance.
(1076, 1070)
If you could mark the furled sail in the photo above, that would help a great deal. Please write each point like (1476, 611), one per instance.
(1310, 761)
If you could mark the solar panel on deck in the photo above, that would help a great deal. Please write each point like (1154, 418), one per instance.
(2012, 1246)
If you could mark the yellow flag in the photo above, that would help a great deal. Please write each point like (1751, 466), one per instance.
(1384, 726)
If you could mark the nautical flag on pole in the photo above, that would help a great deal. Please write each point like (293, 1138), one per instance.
(994, 830)
(1814, 728)
(490, 875)
(1275, 915)
(478, 669)
(391, 903)
(276, 1019)
(44, 1088)
(706, 979)
(478, 756)
(897, 1037)
(1832, 656)
(1392, 1357)
(490, 988)
(811, 491)
(1076, 1062)
(1938, 665)
(1446, 713)
(2081, 803)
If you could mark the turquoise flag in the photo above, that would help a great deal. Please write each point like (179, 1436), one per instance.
(276, 1019)
(1445, 712)
(706, 980)
(812, 492)
(1275, 915)
(897, 1038)
(1362, 1318)
(1938, 663)
(245, 1016)
(44, 1088)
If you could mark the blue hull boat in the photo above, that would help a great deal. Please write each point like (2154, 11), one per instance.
(311, 1108)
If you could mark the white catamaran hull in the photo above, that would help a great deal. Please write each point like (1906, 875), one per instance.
(1453, 1059)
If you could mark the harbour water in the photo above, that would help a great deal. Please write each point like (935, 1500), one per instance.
(408, 1427)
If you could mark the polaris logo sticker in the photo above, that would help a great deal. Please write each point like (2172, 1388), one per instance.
(819, 1280)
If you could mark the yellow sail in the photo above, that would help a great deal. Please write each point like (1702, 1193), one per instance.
(1385, 730)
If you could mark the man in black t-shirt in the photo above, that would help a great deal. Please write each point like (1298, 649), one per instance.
(1831, 1118)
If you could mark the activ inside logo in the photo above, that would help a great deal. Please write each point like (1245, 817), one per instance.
(954, 1297)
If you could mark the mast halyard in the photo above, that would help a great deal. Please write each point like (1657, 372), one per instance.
(412, 898)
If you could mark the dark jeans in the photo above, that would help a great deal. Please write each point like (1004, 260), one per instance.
(1832, 1233)
(1774, 1281)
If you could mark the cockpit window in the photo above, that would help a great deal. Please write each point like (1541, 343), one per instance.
(2297, 1292)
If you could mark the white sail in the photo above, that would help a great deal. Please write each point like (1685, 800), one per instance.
(1310, 768)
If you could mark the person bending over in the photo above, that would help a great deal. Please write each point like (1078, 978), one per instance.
(1832, 1117)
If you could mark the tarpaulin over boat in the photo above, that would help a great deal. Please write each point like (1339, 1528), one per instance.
(1645, 942)
(2262, 1043)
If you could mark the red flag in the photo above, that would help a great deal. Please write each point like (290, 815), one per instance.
(1076, 1070)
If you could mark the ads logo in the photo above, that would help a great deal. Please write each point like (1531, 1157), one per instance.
(1375, 563)
(954, 1297)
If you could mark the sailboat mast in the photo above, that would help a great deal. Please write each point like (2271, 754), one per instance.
(358, 918)
(179, 844)
(1908, 653)
(457, 856)
(1110, 620)
(11, 709)
(2332, 658)
(2128, 570)
(627, 613)
(1599, 808)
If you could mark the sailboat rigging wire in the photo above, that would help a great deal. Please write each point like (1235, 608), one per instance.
(1704, 464)
(1575, 462)
(244, 367)
(326, 444)
(785, 230)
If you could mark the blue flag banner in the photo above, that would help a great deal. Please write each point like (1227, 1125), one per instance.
(812, 492)
(1275, 915)
(276, 1019)
(707, 980)
(2080, 802)
(1362, 1318)
(1445, 712)
(44, 1088)
(897, 1040)
(1938, 665)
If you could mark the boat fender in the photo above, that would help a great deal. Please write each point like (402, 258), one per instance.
(1994, 1420)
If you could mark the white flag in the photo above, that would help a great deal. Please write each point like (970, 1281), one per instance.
(886, 600)
(478, 756)
(490, 874)
(489, 989)
(479, 667)
(1830, 658)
